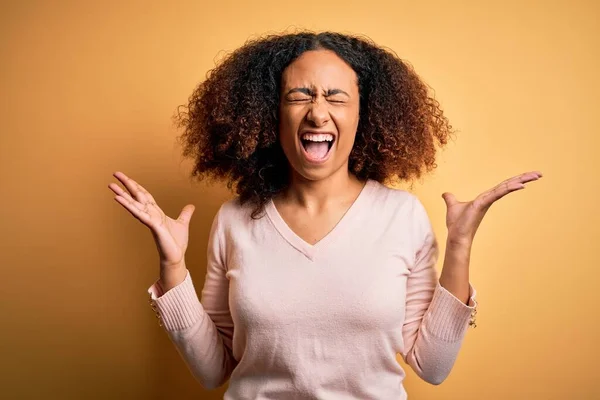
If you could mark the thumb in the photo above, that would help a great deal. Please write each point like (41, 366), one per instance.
(186, 214)
(449, 199)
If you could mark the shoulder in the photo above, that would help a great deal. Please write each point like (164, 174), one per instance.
(233, 210)
(230, 220)
(398, 204)
(385, 198)
(232, 213)
(401, 210)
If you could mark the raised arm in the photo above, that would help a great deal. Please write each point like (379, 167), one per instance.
(435, 320)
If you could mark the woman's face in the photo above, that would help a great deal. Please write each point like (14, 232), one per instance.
(318, 114)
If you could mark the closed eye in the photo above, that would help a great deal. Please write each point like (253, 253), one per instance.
(307, 99)
(297, 99)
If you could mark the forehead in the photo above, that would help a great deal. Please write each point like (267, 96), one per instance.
(319, 69)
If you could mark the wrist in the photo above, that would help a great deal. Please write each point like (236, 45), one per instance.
(459, 243)
(172, 276)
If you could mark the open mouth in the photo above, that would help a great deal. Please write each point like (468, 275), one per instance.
(317, 145)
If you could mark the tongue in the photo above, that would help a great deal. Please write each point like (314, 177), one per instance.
(317, 150)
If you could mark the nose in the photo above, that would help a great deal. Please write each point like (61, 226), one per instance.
(318, 113)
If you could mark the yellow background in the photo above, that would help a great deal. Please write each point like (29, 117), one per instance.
(90, 87)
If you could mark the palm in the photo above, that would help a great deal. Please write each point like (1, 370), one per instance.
(174, 244)
(171, 235)
(463, 218)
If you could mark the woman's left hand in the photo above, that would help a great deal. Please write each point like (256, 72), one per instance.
(463, 218)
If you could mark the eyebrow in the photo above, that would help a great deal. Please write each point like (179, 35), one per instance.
(310, 92)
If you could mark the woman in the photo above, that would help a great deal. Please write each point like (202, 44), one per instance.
(318, 275)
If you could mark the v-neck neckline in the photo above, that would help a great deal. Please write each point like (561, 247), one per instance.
(310, 250)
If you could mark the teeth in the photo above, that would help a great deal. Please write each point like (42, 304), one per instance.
(320, 137)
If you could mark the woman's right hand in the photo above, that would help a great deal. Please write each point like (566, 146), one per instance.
(170, 235)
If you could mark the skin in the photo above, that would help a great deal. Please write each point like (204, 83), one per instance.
(319, 93)
(462, 221)
(319, 195)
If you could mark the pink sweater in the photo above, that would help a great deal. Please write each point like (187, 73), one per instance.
(283, 319)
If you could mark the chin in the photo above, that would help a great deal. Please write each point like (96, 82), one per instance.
(315, 173)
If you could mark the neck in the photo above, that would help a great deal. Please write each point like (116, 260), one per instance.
(319, 194)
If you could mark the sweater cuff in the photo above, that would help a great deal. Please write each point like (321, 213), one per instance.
(448, 318)
(178, 308)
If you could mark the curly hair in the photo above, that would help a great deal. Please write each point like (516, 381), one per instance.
(230, 124)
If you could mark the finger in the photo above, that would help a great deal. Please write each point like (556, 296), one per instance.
(530, 176)
(120, 191)
(516, 183)
(145, 207)
(186, 214)
(137, 191)
(124, 194)
(486, 199)
(523, 178)
(507, 186)
(149, 207)
(138, 213)
(449, 199)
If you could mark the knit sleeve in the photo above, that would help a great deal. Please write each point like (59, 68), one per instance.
(201, 331)
(435, 320)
